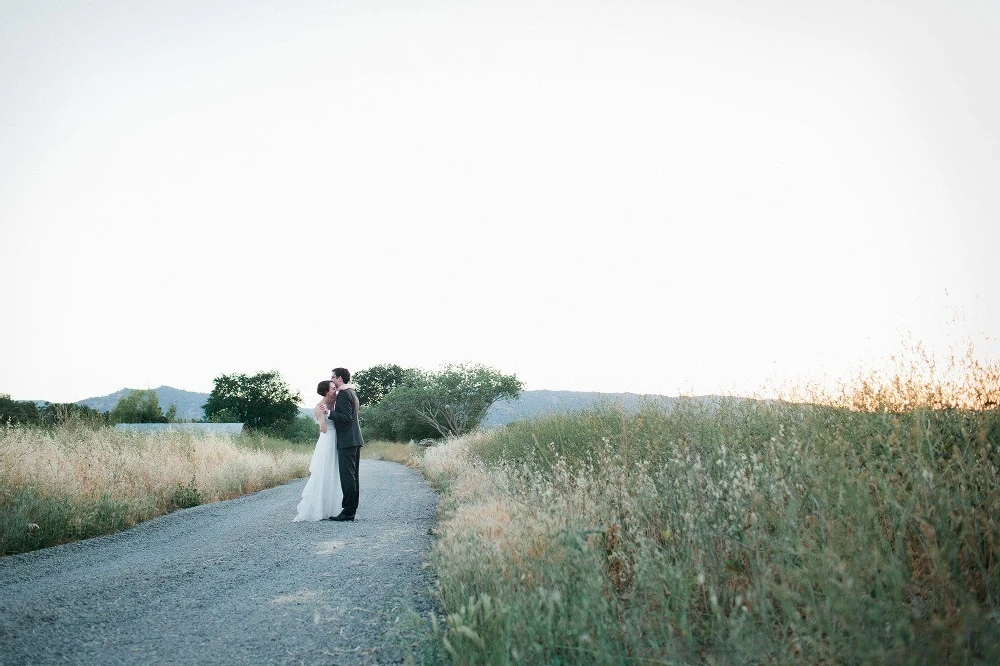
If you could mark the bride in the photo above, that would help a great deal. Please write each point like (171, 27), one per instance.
(321, 498)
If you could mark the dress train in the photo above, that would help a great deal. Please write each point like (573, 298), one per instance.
(322, 497)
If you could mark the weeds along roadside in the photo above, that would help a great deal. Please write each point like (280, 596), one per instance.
(733, 531)
(73, 482)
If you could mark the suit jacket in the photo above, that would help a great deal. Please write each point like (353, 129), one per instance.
(345, 420)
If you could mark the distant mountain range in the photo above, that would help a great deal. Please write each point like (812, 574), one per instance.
(188, 402)
(537, 403)
(529, 405)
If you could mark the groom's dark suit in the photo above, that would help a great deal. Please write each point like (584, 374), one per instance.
(349, 442)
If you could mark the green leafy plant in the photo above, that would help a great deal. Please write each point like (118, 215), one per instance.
(185, 496)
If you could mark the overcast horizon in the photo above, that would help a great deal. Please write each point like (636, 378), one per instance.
(662, 198)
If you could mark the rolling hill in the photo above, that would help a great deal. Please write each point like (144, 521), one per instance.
(529, 405)
(188, 402)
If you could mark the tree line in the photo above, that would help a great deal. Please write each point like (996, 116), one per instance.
(139, 406)
(25, 412)
(397, 404)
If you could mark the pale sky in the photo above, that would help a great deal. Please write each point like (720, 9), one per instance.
(657, 197)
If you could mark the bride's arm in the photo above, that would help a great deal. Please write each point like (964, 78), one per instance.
(320, 417)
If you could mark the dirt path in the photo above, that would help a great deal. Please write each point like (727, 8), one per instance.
(233, 582)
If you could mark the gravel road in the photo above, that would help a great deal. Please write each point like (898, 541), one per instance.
(234, 582)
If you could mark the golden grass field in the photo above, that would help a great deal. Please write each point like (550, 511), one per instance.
(73, 481)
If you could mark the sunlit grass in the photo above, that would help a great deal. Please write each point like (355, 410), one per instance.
(915, 378)
(73, 482)
(406, 454)
(861, 528)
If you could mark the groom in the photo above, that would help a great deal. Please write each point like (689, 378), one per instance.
(345, 421)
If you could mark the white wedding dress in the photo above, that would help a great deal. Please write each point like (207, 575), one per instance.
(322, 496)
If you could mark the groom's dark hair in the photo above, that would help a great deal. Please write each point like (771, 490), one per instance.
(343, 373)
(323, 387)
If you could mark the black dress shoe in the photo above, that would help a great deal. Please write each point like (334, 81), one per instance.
(342, 517)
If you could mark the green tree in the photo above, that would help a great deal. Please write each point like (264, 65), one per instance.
(301, 429)
(374, 383)
(452, 401)
(17, 412)
(139, 406)
(260, 402)
(392, 418)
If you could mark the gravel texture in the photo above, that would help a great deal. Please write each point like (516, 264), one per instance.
(234, 582)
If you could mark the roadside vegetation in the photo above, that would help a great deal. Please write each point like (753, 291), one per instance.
(74, 481)
(66, 473)
(852, 526)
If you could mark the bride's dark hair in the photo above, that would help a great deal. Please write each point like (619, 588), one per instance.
(323, 387)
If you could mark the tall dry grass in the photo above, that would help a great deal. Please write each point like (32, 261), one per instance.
(863, 529)
(73, 482)
(914, 378)
(405, 454)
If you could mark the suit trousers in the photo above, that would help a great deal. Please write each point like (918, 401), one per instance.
(349, 461)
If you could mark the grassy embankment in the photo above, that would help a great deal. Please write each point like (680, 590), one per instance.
(73, 482)
(860, 528)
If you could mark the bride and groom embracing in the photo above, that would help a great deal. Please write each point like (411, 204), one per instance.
(333, 471)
